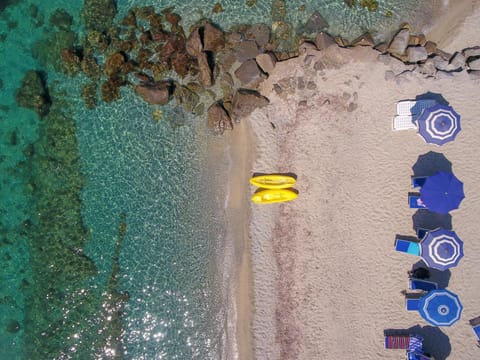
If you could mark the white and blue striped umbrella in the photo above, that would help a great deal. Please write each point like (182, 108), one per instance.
(438, 124)
(441, 249)
(440, 307)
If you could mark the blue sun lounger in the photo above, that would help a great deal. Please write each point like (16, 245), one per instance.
(414, 201)
(412, 304)
(417, 284)
(475, 323)
(407, 246)
(418, 181)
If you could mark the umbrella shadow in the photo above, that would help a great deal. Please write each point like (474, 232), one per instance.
(431, 163)
(435, 342)
(442, 278)
(439, 99)
(425, 219)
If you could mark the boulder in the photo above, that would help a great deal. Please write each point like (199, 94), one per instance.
(457, 62)
(246, 50)
(266, 62)
(213, 38)
(416, 54)
(194, 43)
(315, 23)
(323, 41)
(245, 102)
(249, 73)
(218, 119)
(364, 40)
(114, 63)
(399, 43)
(260, 33)
(205, 72)
(440, 63)
(431, 47)
(474, 64)
(428, 68)
(157, 93)
(471, 52)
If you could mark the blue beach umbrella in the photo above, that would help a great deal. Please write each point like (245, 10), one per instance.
(442, 192)
(438, 124)
(441, 249)
(440, 307)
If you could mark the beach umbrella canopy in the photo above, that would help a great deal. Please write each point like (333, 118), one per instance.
(438, 124)
(442, 192)
(440, 307)
(441, 249)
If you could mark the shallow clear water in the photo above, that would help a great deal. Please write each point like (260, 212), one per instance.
(171, 240)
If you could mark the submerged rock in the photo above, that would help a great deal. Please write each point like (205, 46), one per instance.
(33, 93)
(99, 14)
(157, 93)
(315, 23)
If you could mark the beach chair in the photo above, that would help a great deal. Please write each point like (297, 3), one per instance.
(418, 284)
(412, 304)
(475, 323)
(413, 107)
(415, 202)
(407, 246)
(418, 181)
(406, 342)
(403, 122)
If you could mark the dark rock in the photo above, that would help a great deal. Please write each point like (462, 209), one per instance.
(111, 89)
(213, 38)
(260, 33)
(218, 119)
(431, 47)
(129, 20)
(114, 63)
(61, 19)
(89, 95)
(246, 50)
(157, 93)
(245, 102)
(71, 61)
(323, 41)
(316, 23)
(99, 14)
(90, 67)
(249, 73)
(13, 326)
(172, 18)
(33, 93)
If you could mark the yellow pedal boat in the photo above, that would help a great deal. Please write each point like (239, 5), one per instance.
(270, 196)
(273, 181)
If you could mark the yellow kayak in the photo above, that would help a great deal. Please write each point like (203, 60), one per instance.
(269, 196)
(273, 181)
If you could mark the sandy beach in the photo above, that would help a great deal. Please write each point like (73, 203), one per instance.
(319, 277)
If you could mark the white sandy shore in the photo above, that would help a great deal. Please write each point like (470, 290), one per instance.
(327, 280)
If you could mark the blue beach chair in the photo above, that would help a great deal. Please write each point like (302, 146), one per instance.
(407, 246)
(414, 201)
(417, 284)
(475, 323)
(412, 304)
(418, 181)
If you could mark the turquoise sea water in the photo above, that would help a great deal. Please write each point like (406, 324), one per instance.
(112, 236)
